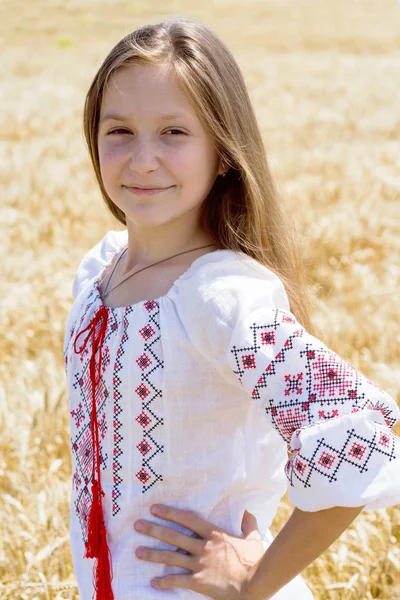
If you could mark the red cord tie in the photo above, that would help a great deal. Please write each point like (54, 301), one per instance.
(96, 545)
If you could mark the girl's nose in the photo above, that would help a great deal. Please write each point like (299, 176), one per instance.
(143, 156)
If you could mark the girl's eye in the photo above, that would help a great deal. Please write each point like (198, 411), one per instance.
(175, 131)
(122, 131)
(118, 131)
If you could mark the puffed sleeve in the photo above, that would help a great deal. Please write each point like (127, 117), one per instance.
(336, 422)
(95, 260)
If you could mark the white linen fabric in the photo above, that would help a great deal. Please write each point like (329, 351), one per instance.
(201, 393)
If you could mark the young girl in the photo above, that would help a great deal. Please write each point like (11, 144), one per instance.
(190, 363)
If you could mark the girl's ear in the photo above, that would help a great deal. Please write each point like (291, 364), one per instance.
(222, 168)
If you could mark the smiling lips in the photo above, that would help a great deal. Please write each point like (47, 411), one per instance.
(138, 191)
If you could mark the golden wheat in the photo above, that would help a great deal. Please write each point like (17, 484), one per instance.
(324, 77)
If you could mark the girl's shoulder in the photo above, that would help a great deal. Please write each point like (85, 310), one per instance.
(97, 258)
(224, 294)
(225, 283)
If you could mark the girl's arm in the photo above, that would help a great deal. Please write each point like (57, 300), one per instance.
(304, 537)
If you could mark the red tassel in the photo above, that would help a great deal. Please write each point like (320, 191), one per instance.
(94, 523)
(102, 571)
(96, 545)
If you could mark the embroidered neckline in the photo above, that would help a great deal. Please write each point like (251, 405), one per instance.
(181, 277)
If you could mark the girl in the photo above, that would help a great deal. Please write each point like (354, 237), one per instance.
(190, 360)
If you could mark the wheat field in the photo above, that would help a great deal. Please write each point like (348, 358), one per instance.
(324, 76)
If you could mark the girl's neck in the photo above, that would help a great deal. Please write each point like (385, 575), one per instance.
(144, 250)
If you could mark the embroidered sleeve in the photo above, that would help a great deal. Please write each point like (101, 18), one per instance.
(336, 422)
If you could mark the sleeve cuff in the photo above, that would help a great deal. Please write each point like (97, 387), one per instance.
(350, 461)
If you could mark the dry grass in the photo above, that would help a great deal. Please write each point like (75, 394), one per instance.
(325, 80)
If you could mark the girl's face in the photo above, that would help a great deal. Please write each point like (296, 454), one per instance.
(150, 136)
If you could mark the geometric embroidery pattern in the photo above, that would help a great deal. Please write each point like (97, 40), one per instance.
(148, 363)
(301, 383)
(327, 459)
(148, 366)
(81, 439)
(117, 415)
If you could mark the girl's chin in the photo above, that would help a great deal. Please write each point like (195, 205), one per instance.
(143, 218)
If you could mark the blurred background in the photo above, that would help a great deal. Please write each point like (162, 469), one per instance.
(324, 77)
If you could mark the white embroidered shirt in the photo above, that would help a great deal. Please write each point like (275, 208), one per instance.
(199, 395)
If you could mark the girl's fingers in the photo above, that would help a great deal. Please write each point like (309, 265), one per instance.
(171, 536)
(189, 582)
(166, 557)
(186, 518)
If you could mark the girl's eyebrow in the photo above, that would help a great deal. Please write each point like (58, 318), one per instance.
(118, 117)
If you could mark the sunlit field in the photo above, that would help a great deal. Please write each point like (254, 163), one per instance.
(324, 76)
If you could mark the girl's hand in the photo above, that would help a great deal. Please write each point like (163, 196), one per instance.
(220, 563)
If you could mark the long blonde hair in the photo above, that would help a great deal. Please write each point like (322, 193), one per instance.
(243, 210)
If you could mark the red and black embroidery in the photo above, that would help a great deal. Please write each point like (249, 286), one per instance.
(148, 391)
(81, 442)
(301, 384)
(82, 445)
(117, 415)
(328, 459)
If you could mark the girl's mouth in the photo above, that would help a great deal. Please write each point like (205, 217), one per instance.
(147, 192)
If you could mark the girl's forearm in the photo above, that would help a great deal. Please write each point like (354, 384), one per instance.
(303, 538)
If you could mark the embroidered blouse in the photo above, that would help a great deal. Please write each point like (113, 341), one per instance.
(193, 400)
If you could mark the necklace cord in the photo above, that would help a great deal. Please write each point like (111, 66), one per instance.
(148, 267)
(112, 272)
